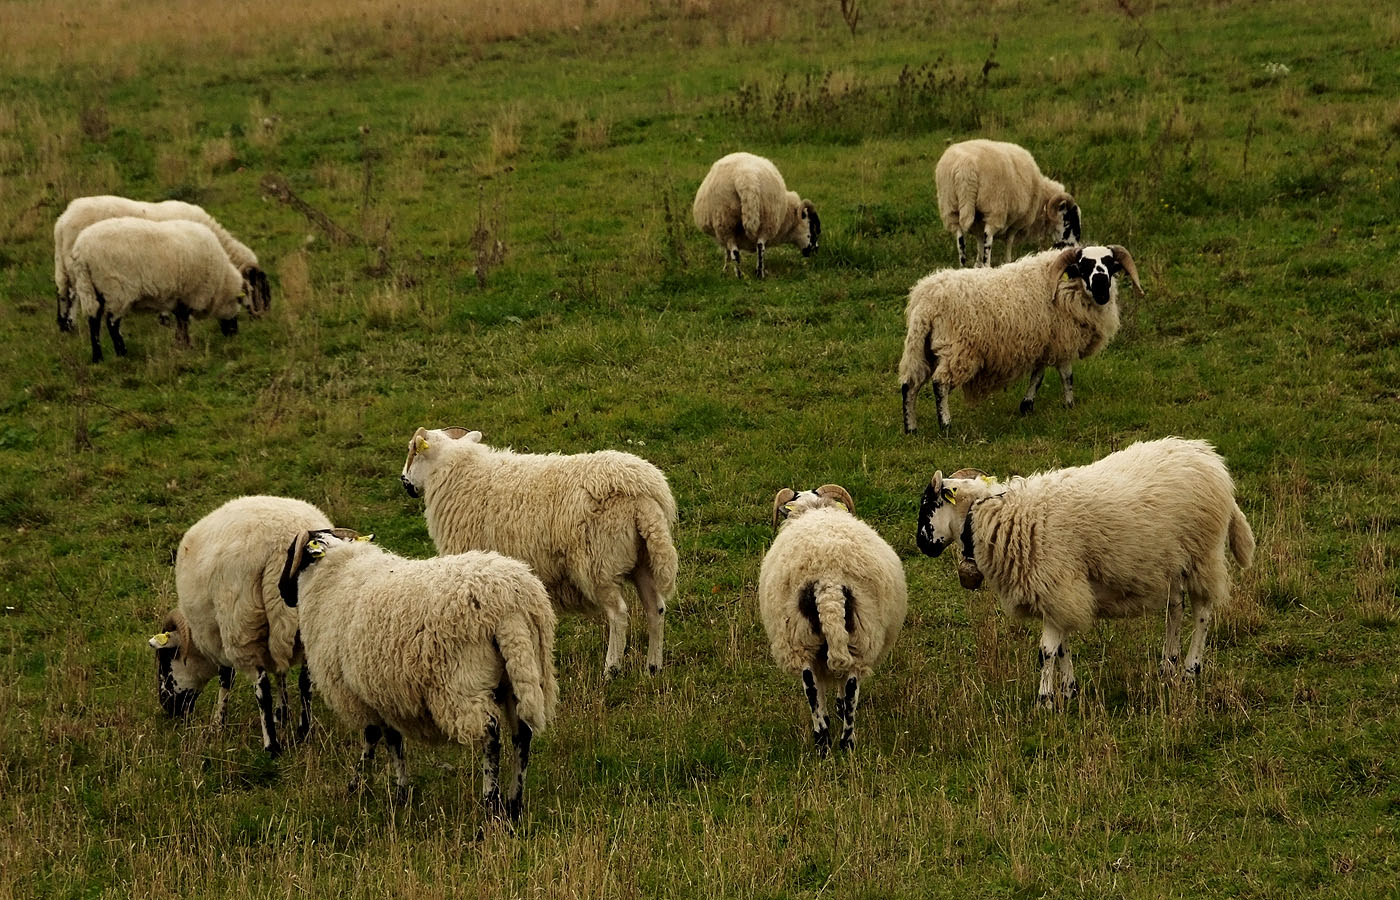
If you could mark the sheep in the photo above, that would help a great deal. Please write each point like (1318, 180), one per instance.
(229, 617)
(981, 329)
(84, 211)
(744, 205)
(584, 522)
(1129, 534)
(832, 597)
(998, 187)
(435, 649)
(130, 263)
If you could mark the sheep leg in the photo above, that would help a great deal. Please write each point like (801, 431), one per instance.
(987, 235)
(909, 392)
(1171, 641)
(821, 731)
(523, 735)
(656, 613)
(283, 710)
(1069, 687)
(304, 684)
(263, 689)
(962, 247)
(615, 608)
(1010, 246)
(1051, 651)
(1028, 401)
(1067, 383)
(491, 768)
(221, 706)
(1200, 609)
(114, 330)
(846, 712)
(393, 738)
(95, 333)
(760, 261)
(940, 397)
(182, 324)
(372, 733)
(731, 254)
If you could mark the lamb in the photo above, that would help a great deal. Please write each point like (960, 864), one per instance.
(997, 187)
(435, 649)
(229, 617)
(84, 211)
(1130, 534)
(832, 597)
(981, 329)
(130, 263)
(744, 205)
(584, 522)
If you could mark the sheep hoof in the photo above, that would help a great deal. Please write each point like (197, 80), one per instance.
(1045, 702)
(848, 744)
(273, 749)
(1194, 671)
(1167, 668)
(654, 669)
(1027, 407)
(823, 742)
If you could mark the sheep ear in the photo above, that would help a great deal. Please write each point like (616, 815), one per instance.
(839, 494)
(780, 502)
(1125, 259)
(457, 434)
(936, 482)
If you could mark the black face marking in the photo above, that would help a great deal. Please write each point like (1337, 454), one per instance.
(816, 228)
(226, 677)
(228, 327)
(408, 486)
(177, 703)
(928, 505)
(287, 584)
(1071, 230)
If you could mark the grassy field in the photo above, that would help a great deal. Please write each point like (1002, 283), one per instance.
(518, 257)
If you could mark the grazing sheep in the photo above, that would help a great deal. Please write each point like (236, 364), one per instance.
(84, 211)
(744, 205)
(229, 615)
(997, 187)
(981, 329)
(435, 649)
(1130, 534)
(171, 267)
(832, 597)
(585, 522)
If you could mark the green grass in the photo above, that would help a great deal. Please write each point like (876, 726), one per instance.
(1260, 206)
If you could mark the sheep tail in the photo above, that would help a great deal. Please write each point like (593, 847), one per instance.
(965, 187)
(749, 187)
(526, 641)
(914, 364)
(833, 613)
(654, 528)
(83, 290)
(1241, 538)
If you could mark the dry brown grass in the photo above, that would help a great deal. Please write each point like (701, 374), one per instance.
(106, 32)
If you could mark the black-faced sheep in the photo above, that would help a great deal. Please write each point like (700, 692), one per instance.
(230, 616)
(981, 329)
(997, 188)
(85, 211)
(1137, 531)
(433, 649)
(585, 522)
(832, 597)
(744, 204)
(176, 267)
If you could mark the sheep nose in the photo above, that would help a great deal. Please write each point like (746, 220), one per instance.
(930, 545)
(408, 486)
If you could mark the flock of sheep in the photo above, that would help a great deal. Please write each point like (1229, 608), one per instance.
(460, 645)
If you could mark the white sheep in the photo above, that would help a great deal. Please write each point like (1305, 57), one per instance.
(435, 649)
(130, 263)
(981, 329)
(84, 211)
(744, 205)
(832, 597)
(996, 187)
(1130, 534)
(585, 522)
(229, 614)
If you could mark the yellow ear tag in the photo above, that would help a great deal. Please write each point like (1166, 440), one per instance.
(790, 507)
(422, 445)
(364, 537)
(843, 506)
(1064, 276)
(989, 479)
(161, 639)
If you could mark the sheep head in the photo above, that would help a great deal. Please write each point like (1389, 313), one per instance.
(1062, 216)
(789, 504)
(813, 228)
(305, 549)
(181, 670)
(65, 311)
(1096, 267)
(945, 505)
(258, 291)
(422, 449)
